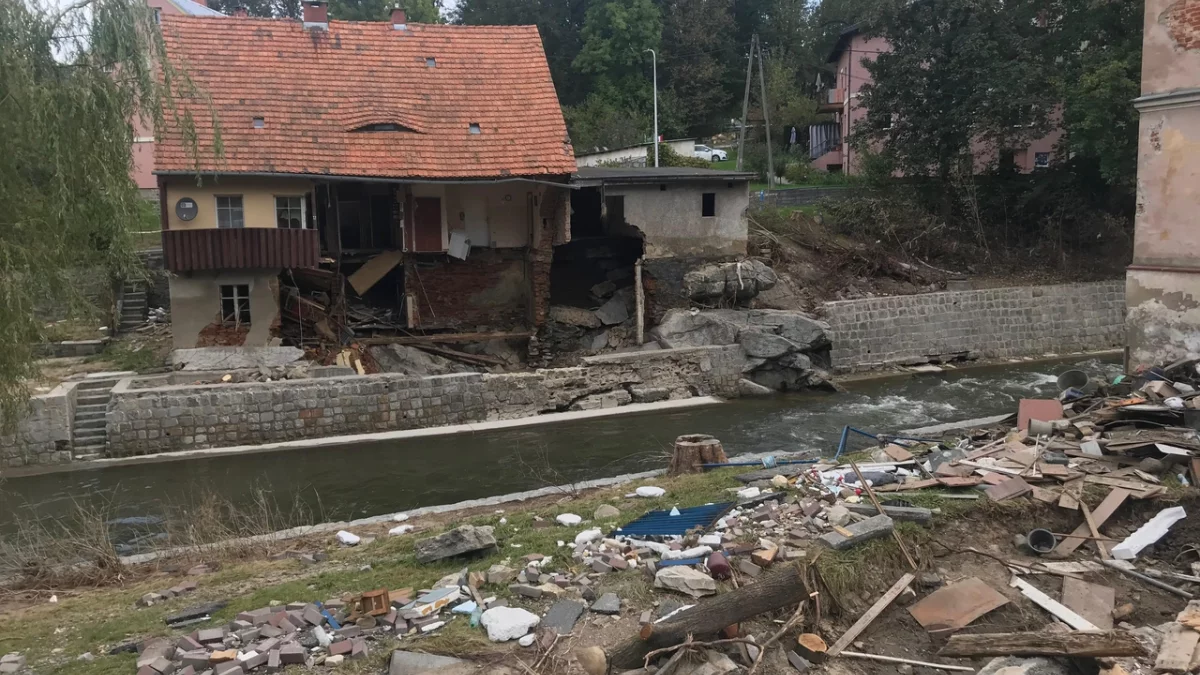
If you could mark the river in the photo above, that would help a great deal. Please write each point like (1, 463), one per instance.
(366, 479)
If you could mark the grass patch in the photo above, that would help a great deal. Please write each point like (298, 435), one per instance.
(124, 356)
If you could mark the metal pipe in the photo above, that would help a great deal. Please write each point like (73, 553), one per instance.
(654, 61)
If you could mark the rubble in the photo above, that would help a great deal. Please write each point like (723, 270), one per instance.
(508, 623)
(741, 280)
(461, 540)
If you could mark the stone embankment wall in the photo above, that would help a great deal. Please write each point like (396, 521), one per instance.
(43, 436)
(992, 323)
(165, 419)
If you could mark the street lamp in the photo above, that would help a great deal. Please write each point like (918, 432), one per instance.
(654, 59)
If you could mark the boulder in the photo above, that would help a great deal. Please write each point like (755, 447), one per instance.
(802, 330)
(460, 540)
(684, 328)
(764, 345)
(508, 623)
(1015, 665)
(615, 311)
(574, 316)
(606, 511)
(685, 580)
(740, 280)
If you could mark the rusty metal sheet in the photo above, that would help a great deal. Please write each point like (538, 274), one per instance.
(1045, 409)
(953, 607)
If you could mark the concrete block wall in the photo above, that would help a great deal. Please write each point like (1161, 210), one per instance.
(43, 435)
(173, 418)
(994, 323)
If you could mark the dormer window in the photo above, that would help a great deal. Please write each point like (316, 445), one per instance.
(430, 61)
(473, 128)
(382, 126)
(260, 122)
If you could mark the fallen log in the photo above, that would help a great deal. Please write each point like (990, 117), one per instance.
(1075, 643)
(783, 587)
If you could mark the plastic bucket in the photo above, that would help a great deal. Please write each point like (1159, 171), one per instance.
(1072, 378)
(1041, 541)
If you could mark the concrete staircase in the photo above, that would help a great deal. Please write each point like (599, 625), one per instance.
(133, 306)
(89, 433)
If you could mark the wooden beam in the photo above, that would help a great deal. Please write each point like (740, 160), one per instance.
(1044, 643)
(1053, 606)
(1101, 514)
(444, 337)
(866, 619)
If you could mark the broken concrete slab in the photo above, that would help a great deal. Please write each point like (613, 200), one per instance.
(234, 358)
(685, 580)
(508, 623)
(904, 514)
(459, 541)
(609, 603)
(562, 615)
(573, 316)
(862, 531)
(615, 311)
(414, 663)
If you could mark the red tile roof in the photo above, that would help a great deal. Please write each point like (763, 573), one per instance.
(314, 88)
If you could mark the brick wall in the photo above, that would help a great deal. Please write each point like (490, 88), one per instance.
(167, 419)
(1001, 322)
(487, 289)
(43, 435)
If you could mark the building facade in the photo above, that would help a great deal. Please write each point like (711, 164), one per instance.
(1163, 284)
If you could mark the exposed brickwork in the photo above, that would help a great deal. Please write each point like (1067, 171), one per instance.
(999, 322)
(487, 289)
(1182, 21)
(175, 418)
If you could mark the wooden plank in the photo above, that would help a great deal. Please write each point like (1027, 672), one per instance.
(960, 481)
(373, 270)
(1101, 514)
(1131, 485)
(1101, 546)
(1091, 601)
(1044, 643)
(897, 453)
(952, 607)
(1195, 471)
(1053, 470)
(1175, 653)
(1053, 606)
(865, 620)
(1070, 494)
(1044, 495)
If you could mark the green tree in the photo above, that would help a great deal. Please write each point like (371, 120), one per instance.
(699, 62)
(263, 8)
(962, 74)
(616, 35)
(417, 11)
(72, 78)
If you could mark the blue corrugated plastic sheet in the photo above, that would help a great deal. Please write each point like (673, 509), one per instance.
(662, 523)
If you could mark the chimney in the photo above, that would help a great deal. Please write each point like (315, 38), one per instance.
(399, 19)
(241, 11)
(316, 14)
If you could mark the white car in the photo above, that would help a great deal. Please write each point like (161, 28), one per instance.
(711, 154)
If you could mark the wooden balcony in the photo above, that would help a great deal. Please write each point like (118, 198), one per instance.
(244, 248)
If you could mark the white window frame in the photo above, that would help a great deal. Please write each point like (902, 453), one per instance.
(1039, 165)
(217, 201)
(237, 297)
(303, 210)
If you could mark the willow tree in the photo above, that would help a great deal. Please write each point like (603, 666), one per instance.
(72, 79)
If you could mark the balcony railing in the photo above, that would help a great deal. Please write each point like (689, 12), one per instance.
(241, 248)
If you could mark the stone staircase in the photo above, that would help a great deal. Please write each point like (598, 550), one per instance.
(133, 306)
(89, 432)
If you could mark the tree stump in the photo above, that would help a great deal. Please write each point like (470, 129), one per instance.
(692, 450)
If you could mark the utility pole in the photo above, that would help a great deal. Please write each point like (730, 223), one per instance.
(762, 83)
(746, 102)
(654, 60)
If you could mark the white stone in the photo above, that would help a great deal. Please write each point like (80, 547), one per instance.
(568, 519)
(335, 660)
(710, 540)
(748, 493)
(588, 536)
(432, 627)
(838, 515)
(685, 580)
(694, 552)
(348, 538)
(400, 517)
(650, 491)
(246, 656)
(526, 640)
(400, 529)
(779, 481)
(508, 623)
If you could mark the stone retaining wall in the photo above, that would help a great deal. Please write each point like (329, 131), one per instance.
(43, 436)
(172, 418)
(994, 323)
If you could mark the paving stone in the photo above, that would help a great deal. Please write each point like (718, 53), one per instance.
(415, 663)
(860, 532)
(562, 616)
(609, 603)
(532, 592)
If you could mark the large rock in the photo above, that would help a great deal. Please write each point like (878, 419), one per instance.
(574, 316)
(685, 580)
(508, 623)
(739, 280)
(684, 328)
(801, 329)
(764, 345)
(615, 311)
(460, 540)
(1016, 665)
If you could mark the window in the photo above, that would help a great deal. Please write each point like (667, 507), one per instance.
(1041, 160)
(260, 122)
(229, 212)
(235, 305)
(474, 128)
(157, 16)
(430, 61)
(289, 213)
(708, 204)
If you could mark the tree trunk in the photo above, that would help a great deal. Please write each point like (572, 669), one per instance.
(692, 450)
(1077, 643)
(781, 588)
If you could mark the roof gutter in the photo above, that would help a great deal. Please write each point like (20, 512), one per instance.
(365, 179)
(593, 182)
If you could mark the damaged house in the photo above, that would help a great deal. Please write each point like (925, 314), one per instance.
(378, 178)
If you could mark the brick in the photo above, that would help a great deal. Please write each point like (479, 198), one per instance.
(862, 531)
(341, 647)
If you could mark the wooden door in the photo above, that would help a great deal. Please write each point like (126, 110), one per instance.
(427, 224)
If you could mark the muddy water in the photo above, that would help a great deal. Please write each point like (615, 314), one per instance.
(366, 479)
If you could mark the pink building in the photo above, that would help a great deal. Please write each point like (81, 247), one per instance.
(143, 131)
(829, 146)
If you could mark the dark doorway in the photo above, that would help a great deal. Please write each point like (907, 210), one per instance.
(427, 224)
